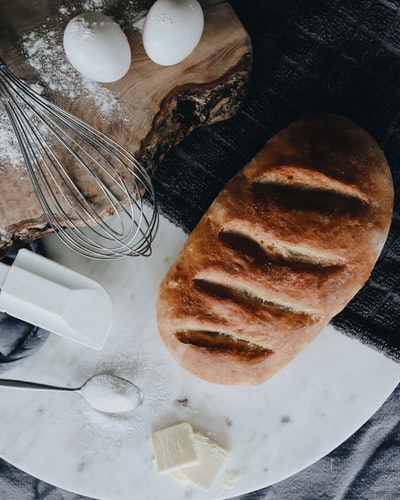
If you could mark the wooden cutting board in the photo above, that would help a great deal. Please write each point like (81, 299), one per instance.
(149, 110)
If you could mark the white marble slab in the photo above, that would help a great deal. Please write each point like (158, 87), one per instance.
(273, 430)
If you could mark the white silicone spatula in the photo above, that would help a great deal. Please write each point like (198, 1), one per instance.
(51, 296)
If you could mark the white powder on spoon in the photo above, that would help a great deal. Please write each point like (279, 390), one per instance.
(110, 394)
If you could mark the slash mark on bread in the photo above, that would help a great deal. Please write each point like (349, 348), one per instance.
(250, 299)
(305, 189)
(241, 238)
(224, 344)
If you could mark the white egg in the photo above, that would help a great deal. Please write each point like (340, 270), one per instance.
(172, 30)
(97, 47)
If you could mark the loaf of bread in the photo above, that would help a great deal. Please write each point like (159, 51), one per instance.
(282, 249)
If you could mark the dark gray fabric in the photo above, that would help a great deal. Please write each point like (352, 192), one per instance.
(311, 56)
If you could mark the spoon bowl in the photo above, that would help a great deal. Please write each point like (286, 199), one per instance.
(111, 394)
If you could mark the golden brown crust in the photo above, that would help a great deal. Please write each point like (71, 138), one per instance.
(282, 249)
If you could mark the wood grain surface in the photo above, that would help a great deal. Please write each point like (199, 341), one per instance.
(157, 106)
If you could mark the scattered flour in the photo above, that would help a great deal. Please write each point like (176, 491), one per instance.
(135, 15)
(4, 236)
(93, 5)
(63, 10)
(45, 53)
(9, 148)
(81, 28)
(43, 48)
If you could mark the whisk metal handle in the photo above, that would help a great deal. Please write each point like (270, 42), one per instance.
(2, 63)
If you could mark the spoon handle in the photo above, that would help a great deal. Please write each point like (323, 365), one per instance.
(21, 384)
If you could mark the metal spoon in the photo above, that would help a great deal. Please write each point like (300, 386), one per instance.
(105, 393)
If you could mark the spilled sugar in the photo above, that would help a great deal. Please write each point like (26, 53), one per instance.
(139, 368)
(44, 51)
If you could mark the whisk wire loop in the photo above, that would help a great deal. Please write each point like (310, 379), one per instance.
(91, 189)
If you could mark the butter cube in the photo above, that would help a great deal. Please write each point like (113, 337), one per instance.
(179, 476)
(174, 448)
(211, 459)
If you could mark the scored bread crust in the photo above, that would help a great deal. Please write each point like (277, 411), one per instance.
(282, 249)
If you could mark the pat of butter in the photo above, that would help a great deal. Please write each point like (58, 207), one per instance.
(174, 448)
(186, 455)
(212, 458)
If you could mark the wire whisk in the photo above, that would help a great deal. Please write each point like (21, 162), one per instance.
(95, 195)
